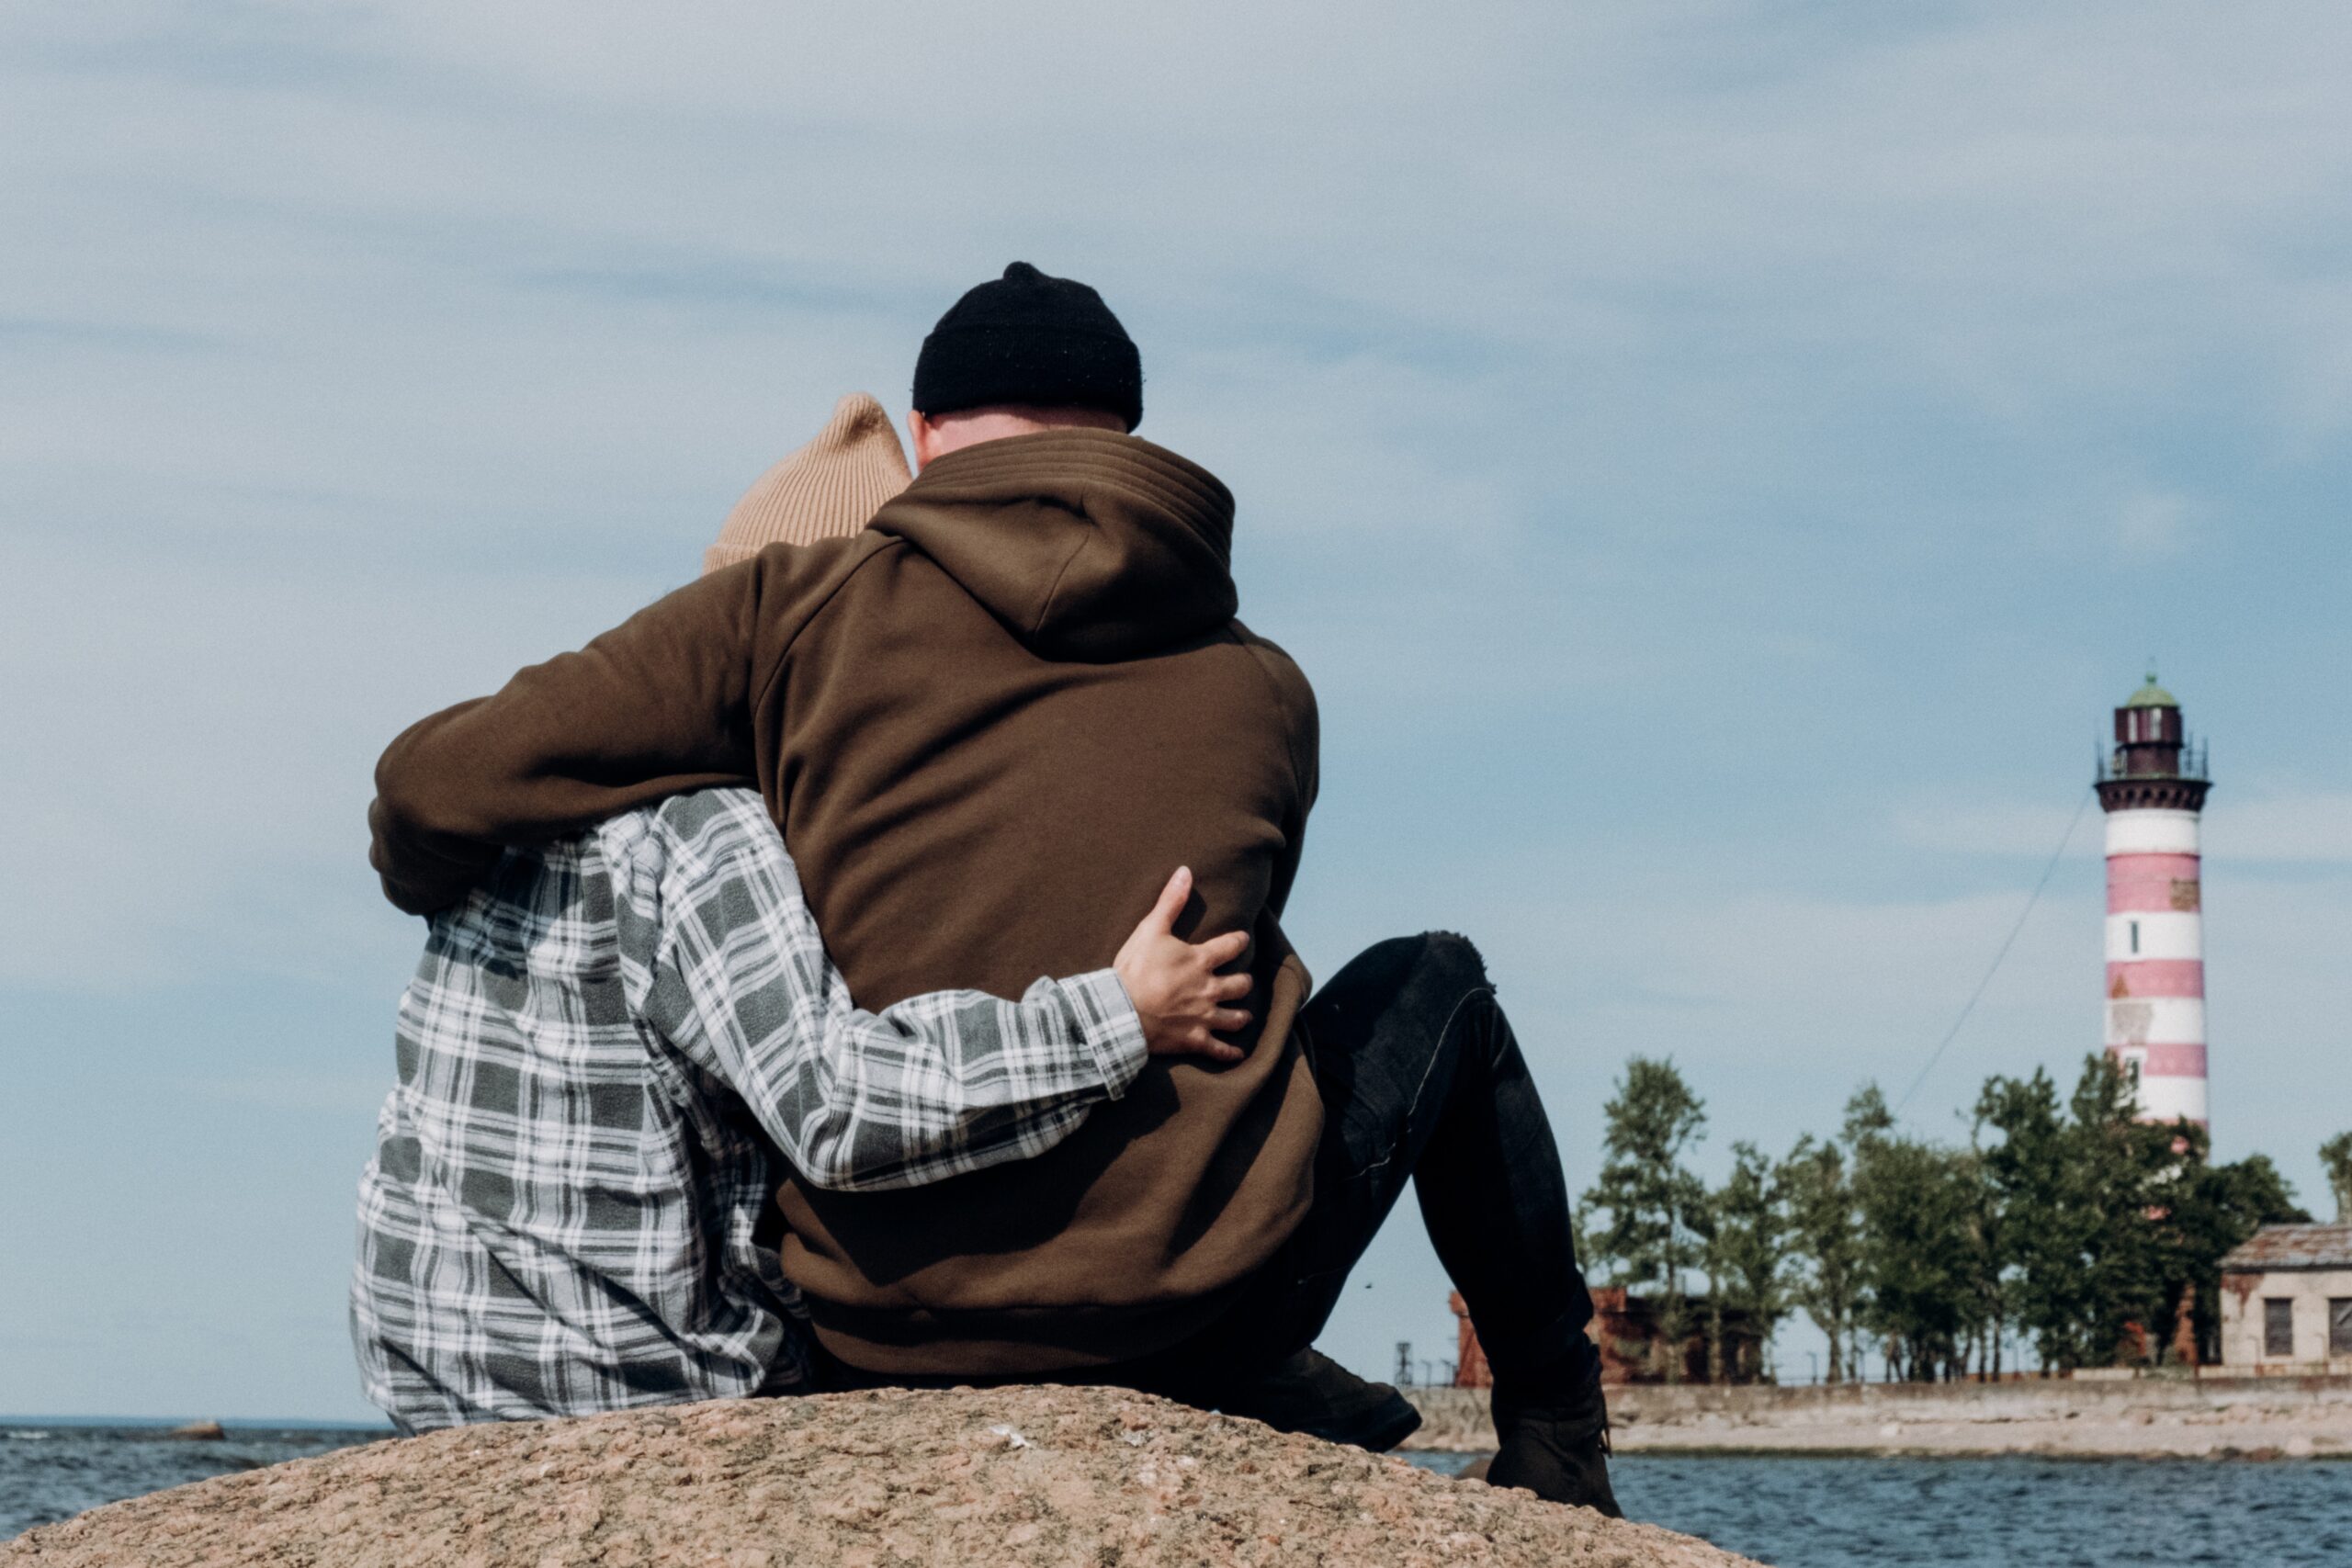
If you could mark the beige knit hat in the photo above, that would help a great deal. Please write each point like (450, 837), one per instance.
(828, 490)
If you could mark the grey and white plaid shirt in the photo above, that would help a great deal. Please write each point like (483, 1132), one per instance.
(601, 1051)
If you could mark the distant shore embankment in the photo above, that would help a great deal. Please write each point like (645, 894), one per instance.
(2213, 1418)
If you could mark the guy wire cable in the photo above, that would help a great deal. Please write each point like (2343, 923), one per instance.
(1949, 1034)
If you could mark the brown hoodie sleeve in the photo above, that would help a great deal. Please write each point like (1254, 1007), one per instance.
(659, 705)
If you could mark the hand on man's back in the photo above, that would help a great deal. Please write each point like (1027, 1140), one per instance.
(1174, 985)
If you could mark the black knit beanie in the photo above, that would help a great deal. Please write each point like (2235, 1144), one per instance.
(1027, 338)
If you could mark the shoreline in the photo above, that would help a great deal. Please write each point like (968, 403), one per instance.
(2252, 1420)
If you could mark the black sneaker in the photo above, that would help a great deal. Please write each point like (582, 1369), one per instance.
(1312, 1394)
(1560, 1453)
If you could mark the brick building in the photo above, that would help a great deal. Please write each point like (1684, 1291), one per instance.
(1634, 1346)
(2286, 1301)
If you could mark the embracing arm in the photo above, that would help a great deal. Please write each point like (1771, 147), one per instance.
(658, 704)
(723, 959)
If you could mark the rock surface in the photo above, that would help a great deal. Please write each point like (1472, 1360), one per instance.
(1031, 1476)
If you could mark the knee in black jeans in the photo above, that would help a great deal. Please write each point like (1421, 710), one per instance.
(1453, 957)
(1428, 974)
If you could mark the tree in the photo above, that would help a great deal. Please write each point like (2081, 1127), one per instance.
(1867, 1120)
(1638, 1214)
(2091, 1232)
(2335, 1160)
(2023, 1175)
(1825, 1239)
(1915, 1201)
(2084, 1201)
(2213, 1209)
(1746, 1237)
(2125, 1174)
(2107, 1228)
(1987, 1262)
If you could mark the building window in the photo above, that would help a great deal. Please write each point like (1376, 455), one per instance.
(2277, 1326)
(2135, 936)
(2339, 1325)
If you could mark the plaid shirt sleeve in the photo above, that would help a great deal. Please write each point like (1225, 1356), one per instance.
(721, 955)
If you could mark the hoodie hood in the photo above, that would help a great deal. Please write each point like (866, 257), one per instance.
(1086, 544)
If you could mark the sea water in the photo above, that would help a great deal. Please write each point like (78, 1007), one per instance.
(1801, 1512)
(1994, 1512)
(51, 1470)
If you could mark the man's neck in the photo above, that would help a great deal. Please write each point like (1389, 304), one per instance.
(934, 438)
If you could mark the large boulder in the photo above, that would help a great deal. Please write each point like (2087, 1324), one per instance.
(1085, 1476)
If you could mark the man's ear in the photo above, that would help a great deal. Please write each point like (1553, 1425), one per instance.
(924, 436)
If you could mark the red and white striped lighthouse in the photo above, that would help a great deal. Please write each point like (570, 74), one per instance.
(2152, 788)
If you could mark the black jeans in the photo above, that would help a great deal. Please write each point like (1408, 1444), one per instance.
(1423, 1080)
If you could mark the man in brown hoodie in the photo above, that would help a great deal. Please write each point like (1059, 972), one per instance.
(977, 725)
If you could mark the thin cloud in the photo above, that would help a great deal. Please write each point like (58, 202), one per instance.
(2311, 829)
(2153, 524)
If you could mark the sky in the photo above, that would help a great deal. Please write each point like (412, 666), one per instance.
(1719, 464)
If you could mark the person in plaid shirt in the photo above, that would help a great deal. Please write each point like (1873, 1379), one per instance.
(606, 1046)
(568, 1208)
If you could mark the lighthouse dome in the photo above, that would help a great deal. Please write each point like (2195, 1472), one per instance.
(2151, 697)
